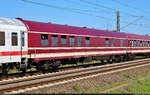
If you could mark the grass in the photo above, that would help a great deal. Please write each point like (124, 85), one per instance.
(77, 89)
(139, 87)
(112, 85)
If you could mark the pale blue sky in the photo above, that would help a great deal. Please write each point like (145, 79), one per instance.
(99, 14)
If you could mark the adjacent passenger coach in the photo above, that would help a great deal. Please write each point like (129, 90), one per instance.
(25, 44)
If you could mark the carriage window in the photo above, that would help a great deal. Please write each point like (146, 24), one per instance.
(63, 40)
(148, 44)
(54, 40)
(140, 43)
(127, 43)
(121, 43)
(134, 43)
(112, 42)
(87, 41)
(14, 39)
(130, 43)
(107, 42)
(143, 43)
(44, 39)
(72, 40)
(79, 40)
(22, 39)
(2, 38)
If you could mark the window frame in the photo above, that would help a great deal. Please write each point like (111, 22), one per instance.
(14, 43)
(87, 41)
(71, 42)
(79, 41)
(107, 42)
(112, 42)
(3, 39)
(121, 43)
(44, 41)
(56, 41)
(22, 38)
(63, 37)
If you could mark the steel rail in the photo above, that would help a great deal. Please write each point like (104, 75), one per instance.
(25, 82)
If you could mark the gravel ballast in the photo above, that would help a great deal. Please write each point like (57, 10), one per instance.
(86, 85)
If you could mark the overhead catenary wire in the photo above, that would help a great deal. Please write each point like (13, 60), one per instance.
(74, 10)
(127, 5)
(108, 8)
(89, 6)
(135, 8)
(131, 22)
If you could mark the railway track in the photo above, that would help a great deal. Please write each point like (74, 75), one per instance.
(28, 83)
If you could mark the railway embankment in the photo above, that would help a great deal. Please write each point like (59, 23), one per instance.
(99, 84)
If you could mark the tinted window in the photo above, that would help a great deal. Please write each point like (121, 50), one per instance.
(14, 39)
(107, 42)
(130, 43)
(79, 40)
(72, 40)
(126, 42)
(22, 38)
(148, 43)
(143, 43)
(44, 39)
(121, 42)
(112, 42)
(134, 43)
(63, 40)
(140, 43)
(54, 40)
(2, 38)
(87, 41)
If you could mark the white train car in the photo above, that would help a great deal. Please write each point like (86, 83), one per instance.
(13, 44)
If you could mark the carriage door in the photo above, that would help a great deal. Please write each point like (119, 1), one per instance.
(22, 42)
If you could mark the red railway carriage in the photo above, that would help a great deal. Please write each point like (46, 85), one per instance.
(138, 44)
(45, 46)
(49, 41)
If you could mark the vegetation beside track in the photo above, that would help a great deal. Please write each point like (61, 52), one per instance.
(136, 85)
